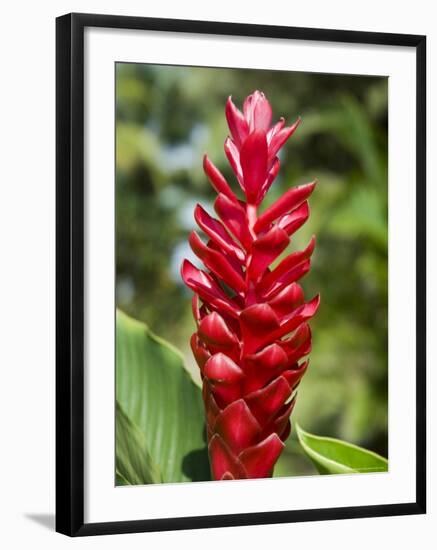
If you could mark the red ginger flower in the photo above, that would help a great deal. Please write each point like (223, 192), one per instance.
(252, 326)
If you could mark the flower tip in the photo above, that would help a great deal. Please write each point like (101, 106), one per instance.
(295, 125)
(229, 107)
(208, 166)
(195, 242)
(313, 184)
(311, 245)
(316, 302)
(185, 266)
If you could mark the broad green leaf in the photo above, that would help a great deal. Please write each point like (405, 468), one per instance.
(159, 397)
(134, 464)
(120, 480)
(333, 456)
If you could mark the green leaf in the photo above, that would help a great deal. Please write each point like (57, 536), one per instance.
(134, 464)
(120, 480)
(159, 397)
(333, 456)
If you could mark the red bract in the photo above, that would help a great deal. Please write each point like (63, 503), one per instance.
(252, 330)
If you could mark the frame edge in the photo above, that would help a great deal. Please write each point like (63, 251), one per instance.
(69, 276)
(421, 274)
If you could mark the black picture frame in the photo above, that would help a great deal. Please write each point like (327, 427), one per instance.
(70, 273)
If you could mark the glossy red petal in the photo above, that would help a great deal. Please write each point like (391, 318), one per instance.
(211, 408)
(299, 316)
(271, 176)
(236, 122)
(266, 402)
(234, 218)
(217, 180)
(293, 221)
(280, 137)
(223, 461)
(201, 354)
(289, 201)
(248, 106)
(281, 422)
(195, 308)
(233, 156)
(259, 318)
(293, 376)
(262, 113)
(270, 358)
(299, 344)
(299, 338)
(221, 369)
(287, 265)
(275, 129)
(213, 330)
(237, 426)
(253, 159)
(287, 278)
(256, 322)
(225, 394)
(259, 460)
(300, 352)
(265, 250)
(217, 263)
(257, 111)
(207, 288)
(216, 231)
(286, 432)
(261, 367)
(287, 300)
(238, 265)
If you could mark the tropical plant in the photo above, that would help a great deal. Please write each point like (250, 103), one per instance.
(166, 117)
(252, 334)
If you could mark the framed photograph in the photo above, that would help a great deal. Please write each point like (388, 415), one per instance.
(240, 274)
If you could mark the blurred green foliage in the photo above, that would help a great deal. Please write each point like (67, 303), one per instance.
(167, 117)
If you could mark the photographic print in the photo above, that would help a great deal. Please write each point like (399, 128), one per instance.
(251, 274)
(240, 255)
